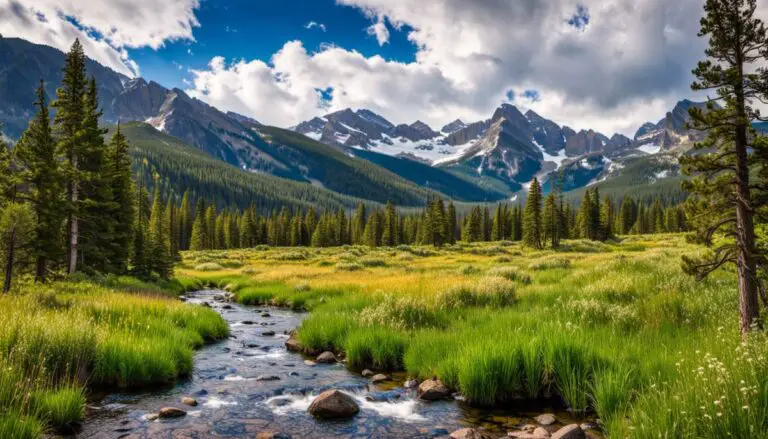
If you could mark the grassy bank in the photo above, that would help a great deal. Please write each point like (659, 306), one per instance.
(613, 328)
(56, 338)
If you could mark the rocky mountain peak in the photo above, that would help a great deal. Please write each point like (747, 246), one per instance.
(453, 126)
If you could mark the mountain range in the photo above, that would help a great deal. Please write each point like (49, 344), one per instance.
(358, 152)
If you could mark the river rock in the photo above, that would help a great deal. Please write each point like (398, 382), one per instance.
(247, 322)
(378, 378)
(367, 373)
(411, 384)
(326, 357)
(546, 419)
(267, 378)
(268, 333)
(293, 345)
(188, 400)
(433, 390)
(266, 314)
(173, 412)
(226, 307)
(535, 433)
(310, 363)
(152, 417)
(333, 404)
(571, 431)
(470, 433)
(206, 304)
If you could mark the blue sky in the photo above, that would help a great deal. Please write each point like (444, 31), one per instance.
(256, 29)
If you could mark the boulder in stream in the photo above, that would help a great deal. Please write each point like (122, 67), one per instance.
(378, 378)
(433, 390)
(268, 333)
(188, 400)
(293, 345)
(172, 412)
(333, 404)
(546, 419)
(470, 433)
(326, 357)
(367, 373)
(571, 431)
(267, 378)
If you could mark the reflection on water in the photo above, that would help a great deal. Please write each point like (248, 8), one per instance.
(250, 383)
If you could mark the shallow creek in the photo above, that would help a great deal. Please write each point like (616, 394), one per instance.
(233, 402)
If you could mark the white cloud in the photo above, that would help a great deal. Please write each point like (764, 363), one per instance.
(629, 64)
(380, 31)
(314, 24)
(105, 27)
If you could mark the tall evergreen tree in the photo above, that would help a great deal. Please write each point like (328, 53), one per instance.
(39, 173)
(122, 209)
(532, 232)
(70, 114)
(550, 221)
(724, 199)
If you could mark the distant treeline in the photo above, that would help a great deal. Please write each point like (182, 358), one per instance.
(203, 227)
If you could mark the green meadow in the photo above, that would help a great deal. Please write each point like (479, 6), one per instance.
(119, 332)
(615, 329)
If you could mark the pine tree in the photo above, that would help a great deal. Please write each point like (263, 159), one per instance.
(122, 209)
(185, 221)
(532, 232)
(358, 224)
(159, 253)
(550, 221)
(389, 228)
(450, 224)
(606, 219)
(723, 197)
(96, 228)
(39, 174)
(586, 223)
(70, 114)
(370, 233)
(141, 250)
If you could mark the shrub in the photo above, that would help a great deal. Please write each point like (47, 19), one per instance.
(209, 266)
(510, 273)
(348, 266)
(492, 291)
(549, 264)
(401, 313)
(469, 270)
(291, 256)
(373, 262)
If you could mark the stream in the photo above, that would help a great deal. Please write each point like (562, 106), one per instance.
(234, 402)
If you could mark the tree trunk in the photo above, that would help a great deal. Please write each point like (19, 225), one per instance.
(745, 237)
(73, 223)
(40, 266)
(9, 261)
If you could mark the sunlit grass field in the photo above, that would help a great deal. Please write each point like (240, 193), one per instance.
(56, 339)
(616, 329)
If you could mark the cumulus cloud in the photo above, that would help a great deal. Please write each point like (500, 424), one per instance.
(105, 27)
(380, 31)
(608, 65)
(314, 24)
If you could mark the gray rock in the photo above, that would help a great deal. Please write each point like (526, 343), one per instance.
(367, 373)
(571, 431)
(470, 433)
(326, 357)
(433, 390)
(411, 384)
(268, 333)
(378, 378)
(293, 345)
(267, 378)
(333, 404)
(546, 419)
(172, 412)
(188, 400)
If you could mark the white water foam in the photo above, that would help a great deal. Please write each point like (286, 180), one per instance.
(214, 402)
(405, 410)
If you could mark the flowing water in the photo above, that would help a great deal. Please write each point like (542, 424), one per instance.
(235, 402)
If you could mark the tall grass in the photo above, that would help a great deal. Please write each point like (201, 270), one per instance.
(616, 329)
(54, 339)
